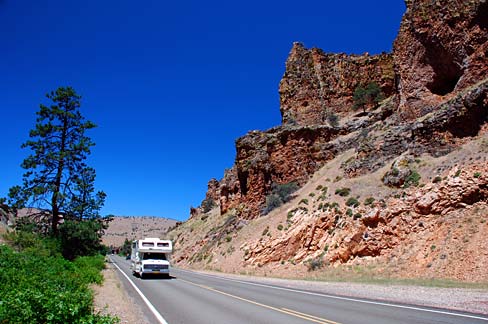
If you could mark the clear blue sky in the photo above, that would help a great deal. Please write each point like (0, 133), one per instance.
(170, 84)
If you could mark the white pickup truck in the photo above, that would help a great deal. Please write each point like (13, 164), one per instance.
(151, 256)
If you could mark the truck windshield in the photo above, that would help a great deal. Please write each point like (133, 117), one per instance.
(154, 256)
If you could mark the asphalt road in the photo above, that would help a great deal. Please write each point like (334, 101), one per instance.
(189, 297)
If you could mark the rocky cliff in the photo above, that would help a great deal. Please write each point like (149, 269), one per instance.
(317, 84)
(441, 49)
(435, 105)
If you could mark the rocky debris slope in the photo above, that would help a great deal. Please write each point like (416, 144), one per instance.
(431, 215)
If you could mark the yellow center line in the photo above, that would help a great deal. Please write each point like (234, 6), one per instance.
(311, 316)
(282, 310)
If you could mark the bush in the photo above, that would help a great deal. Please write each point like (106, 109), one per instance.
(280, 194)
(314, 264)
(80, 238)
(368, 201)
(352, 202)
(343, 192)
(207, 205)
(284, 191)
(412, 180)
(437, 179)
(35, 288)
(367, 96)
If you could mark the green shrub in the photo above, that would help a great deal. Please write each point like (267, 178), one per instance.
(303, 201)
(280, 194)
(367, 96)
(36, 288)
(273, 201)
(368, 201)
(280, 227)
(349, 212)
(352, 202)
(343, 192)
(412, 180)
(314, 264)
(437, 179)
(80, 238)
(357, 216)
(207, 205)
(477, 174)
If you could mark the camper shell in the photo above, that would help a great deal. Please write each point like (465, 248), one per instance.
(151, 256)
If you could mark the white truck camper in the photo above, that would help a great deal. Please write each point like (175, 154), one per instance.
(151, 256)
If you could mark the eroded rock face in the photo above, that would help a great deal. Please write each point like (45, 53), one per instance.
(441, 49)
(381, 228)
(316, 84)
(279, 155)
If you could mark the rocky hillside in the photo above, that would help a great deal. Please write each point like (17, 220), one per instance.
(135, 227)
(398, 185)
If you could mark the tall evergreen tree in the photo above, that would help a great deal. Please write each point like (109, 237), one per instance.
(56, 176)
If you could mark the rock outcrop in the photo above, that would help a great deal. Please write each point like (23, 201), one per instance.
(317, 84)
(435, 85)
(441, 49)
(384, 226)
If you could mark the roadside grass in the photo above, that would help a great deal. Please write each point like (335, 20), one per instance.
(369, 275)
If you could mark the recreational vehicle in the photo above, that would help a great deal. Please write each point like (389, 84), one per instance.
(151, 256)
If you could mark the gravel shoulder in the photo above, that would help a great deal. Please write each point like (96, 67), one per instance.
(112, 298)
(459, 299)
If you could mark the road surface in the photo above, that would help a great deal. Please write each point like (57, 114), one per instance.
(189, 297)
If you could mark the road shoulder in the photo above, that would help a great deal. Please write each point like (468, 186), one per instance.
(112, 298)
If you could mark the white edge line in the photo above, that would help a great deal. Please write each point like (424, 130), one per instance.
(148, 303)
(344, 298)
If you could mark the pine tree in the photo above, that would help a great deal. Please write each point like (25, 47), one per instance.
(56, 176)
(367, 97)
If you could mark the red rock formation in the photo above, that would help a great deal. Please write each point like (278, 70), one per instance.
(441, 49)
(380, 230)
(316, 84)
(280, 155)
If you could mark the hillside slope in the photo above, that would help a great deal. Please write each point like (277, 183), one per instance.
(399, 189)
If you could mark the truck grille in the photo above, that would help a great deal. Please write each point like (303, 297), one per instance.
(156, 267)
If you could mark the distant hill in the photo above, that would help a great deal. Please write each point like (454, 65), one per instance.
(134, 227)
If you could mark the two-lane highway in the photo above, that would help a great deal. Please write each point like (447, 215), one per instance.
(190, 297)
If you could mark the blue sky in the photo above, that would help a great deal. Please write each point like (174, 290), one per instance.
(170, 84)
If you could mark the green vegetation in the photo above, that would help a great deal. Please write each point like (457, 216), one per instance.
(37, 285)
(56, 176)
(352, 202)
(412, 180)
(280, 194)
(367, 97)
(333, 120)
(280, 227)
(477, 174)
(314, 264)
(303, 201)
(368, 201)
(207, 205)
(46, 270)
(343, 192)
(437, 179)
